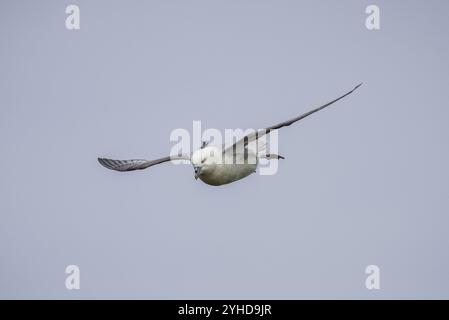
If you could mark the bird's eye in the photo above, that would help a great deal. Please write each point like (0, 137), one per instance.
(203, 160)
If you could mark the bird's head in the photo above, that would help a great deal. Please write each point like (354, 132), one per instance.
(204, 160)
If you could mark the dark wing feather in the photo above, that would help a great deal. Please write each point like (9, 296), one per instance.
(136, 164)
(302, 116)
(260, 133)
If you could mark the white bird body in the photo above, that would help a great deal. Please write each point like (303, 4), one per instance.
(219, 165)
(215, 167)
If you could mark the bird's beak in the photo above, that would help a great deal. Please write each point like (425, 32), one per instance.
(197, 172)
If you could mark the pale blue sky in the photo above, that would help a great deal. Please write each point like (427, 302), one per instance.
(364, 182)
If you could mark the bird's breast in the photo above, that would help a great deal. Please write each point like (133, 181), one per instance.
(227, 173)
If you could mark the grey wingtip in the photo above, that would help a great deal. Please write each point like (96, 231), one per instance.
(103, 162)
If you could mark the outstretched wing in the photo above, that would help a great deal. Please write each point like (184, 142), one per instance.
(260, 133)
(136, 164)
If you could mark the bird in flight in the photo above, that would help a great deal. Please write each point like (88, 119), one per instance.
(225, 164)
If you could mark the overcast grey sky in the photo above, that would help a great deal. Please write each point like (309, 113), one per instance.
(364, 182)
